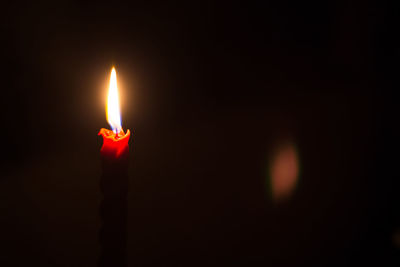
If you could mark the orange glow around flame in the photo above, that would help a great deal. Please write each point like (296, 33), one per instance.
(112, 106)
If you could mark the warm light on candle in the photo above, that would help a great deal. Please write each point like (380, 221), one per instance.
(112, 106)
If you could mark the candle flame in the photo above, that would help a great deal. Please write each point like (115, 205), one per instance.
(112, 107)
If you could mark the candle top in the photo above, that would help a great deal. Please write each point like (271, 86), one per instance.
(114, 144)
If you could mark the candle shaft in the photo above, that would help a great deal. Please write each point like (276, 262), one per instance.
(113, 209)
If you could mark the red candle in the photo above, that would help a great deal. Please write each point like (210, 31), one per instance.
(114, 144)
(113, 184)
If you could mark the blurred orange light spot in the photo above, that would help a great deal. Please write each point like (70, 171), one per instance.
(284, 170)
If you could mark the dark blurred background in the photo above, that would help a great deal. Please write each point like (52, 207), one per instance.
(213, 92)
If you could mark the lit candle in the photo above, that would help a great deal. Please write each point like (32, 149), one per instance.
(113, 183)
(115, 141)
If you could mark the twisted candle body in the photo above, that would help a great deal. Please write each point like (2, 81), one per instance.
(113, 207)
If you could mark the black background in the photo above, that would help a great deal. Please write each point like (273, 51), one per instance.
(208, 88)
